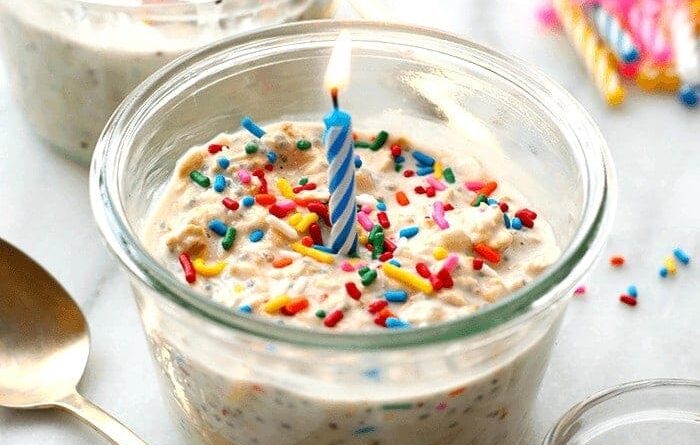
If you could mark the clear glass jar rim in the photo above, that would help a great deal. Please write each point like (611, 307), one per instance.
(556, 434)
(528, 301)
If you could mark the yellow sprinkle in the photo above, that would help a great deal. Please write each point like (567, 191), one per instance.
(437, 170)
(313, 253)
(276, 303)
(306, 221)
(294, 219)
(407, 277)
(440, 253)
(238, 288)
(285, 188)
(671, 265)
(208, 270)
(363, 239)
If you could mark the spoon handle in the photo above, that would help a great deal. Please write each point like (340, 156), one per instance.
(97, 418)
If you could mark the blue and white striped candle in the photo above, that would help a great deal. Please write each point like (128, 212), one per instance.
(614, 35)
(340, 154)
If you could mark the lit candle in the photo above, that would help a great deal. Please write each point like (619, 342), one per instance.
(340, 153)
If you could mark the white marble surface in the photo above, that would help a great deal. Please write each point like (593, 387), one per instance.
(44, 210)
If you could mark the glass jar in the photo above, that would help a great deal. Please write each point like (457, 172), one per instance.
(648, 412)
(235, 379)
(71, 62)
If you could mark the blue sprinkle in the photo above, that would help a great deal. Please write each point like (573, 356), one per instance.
(223, 162)
(688, 95)
(492, 202)
(271, 157)
(632, 290)
(399, 159)
(516, 224)
(408, 232)
(381, 206)
(358, 161)
(323, 248)
(256, 235)
(252, 127)
(364, 430)
(371, 374)
(248, 201)
(245, 309)
(395, 262)
(681, 255)
(217, 226)
(396, 296)
(396, 323)
(506, 221)
(219, 183)
(422, 158)
(424, 171)
(663, 272)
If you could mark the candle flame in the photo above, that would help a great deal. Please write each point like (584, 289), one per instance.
(338, 71)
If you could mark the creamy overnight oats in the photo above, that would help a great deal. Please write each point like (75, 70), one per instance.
(71, 62)
(243, 221)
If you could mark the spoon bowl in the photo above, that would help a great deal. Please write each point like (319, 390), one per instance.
(44, 345)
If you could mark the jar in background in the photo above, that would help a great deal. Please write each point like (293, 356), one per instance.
(71, 62)
(235, 379)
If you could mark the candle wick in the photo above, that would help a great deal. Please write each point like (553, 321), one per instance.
(334, 97)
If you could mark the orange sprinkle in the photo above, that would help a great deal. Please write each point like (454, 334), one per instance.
(265, 199)
(295, 306)
(617, 260)
(401, 198)
(489, 254)
(488, 188)
(302, 202)
(282, 262)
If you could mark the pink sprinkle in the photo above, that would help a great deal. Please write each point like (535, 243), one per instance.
(451, 262)
(364, 221)
(474, 186)
(441, 406)
(367, 208)
(439, 215)
(286, 204)
(347, 267)
(438, 185)
(547, 17)
(580, 290)
(244, 176)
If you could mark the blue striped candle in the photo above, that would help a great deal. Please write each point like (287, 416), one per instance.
(614, 35)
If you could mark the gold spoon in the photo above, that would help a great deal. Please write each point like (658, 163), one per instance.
(44, 346)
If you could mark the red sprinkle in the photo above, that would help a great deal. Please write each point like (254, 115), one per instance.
(377, 305)
(315, 232)
(269, 167)
(295, 306)
(408, 173)
(389, 246)
(381, 317)
(265, 199)
(258, 173)
(333, 318)
(503, 206)
(419, 190)
(527, 222)
(487, 253)
(307, 241)
(617, 260)
(278, 211)
(395, 150)
(188, 268)
(430, 191)
(448, 207)
(352, 290)
(436, 282)
(402, 199)
(477, 263)
(580, 290)
(383, 220)
(423, 270)
(628, 300)
(321, 210)
(386, 256)
(309, 186)
(215, 148)
(369, 247)
(297, 189)
(527, 212)
(446, 278)
(230, 204)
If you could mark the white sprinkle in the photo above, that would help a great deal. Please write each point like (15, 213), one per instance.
(282, 227)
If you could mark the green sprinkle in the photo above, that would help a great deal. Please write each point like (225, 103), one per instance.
(321, 313)
(303, 144)
(448, 175)
(251, 147)
(378, 244)
(394, 406)
(379, 141)
(362, 144)
(398, 167)
(363, 270)
(376, 230)
(303, 181)
(229, 238)
(200, 178)
(479, 199)
(369, 277)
